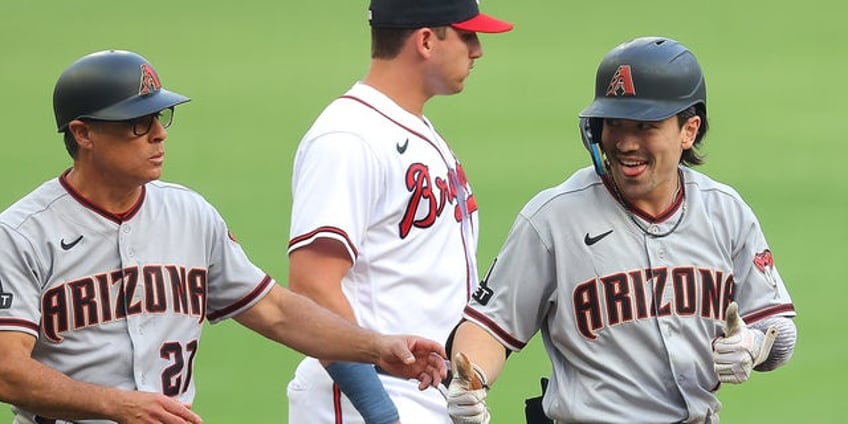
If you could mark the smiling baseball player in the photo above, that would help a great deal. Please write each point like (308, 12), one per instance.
(631, 268)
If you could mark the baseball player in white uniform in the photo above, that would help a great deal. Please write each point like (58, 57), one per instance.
(636, 270)
(384, 223)
(107, 274)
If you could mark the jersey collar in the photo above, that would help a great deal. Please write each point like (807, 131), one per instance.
(118, 218)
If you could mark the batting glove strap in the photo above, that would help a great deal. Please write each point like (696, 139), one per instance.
(467, 406)
(466, 395)
(481, 375)
(735, 356)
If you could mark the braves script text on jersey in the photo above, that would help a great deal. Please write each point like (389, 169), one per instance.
(120, 300)
(628, 319)
(385, 184)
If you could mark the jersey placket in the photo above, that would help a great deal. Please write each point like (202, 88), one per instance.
(135, 327)
(657, 255)
(462, 196)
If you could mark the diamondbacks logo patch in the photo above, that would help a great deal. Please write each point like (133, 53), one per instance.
(764, 260)
(149, 81)
(621, 83)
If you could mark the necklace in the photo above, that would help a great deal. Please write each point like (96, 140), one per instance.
(638, 224)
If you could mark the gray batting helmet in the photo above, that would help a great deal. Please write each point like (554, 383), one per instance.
(644, 79)
(110, 85)
(647, 79)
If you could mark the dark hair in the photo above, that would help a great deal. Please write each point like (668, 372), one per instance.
(386, 43)
(71, 143)
(691, 156)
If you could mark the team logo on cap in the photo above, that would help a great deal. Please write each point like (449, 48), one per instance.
(149, 81)
(621, 83)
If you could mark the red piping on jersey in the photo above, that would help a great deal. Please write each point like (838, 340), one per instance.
(767, 312)
(243, 301)
(15, 322)
(326, 229)
(512, 341)
(117, 218)
(663, 216)
(337, 403)
(468, 278)
(467, 272)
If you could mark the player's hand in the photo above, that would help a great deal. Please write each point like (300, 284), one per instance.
(148, 408)
(413, 358)
(740, 349)
(466, 394)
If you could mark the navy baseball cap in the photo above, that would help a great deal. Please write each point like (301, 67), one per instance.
(410, 14)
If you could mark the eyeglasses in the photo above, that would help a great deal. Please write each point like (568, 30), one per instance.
(142, 126)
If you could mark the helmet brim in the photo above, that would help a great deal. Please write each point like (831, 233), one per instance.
(634, 109)
(137, 106)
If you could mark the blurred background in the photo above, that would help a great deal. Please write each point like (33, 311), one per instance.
(259, 72)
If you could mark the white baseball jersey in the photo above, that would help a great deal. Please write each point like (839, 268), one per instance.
(628, 319)
(385, 184)
(120, 300)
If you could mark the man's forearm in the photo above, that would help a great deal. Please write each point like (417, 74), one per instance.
(300, 323)
(37, 388)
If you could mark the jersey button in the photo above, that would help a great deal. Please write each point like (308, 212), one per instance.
(127, 229)
(661, 253)
(653, 229)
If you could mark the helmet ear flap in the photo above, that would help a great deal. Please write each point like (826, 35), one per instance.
(590, 131)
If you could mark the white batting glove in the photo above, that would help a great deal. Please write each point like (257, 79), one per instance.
(740, 349)
(466, 394)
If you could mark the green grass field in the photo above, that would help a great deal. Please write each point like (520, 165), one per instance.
(259, 72)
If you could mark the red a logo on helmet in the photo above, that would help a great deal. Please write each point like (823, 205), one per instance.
(621, 83)
(149, 81)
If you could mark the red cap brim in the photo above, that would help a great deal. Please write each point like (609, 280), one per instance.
(483, 23)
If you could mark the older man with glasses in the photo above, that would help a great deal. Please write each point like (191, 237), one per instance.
(107, 273)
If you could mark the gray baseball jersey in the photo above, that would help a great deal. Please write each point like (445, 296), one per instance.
(120, 300)
(628, 319)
